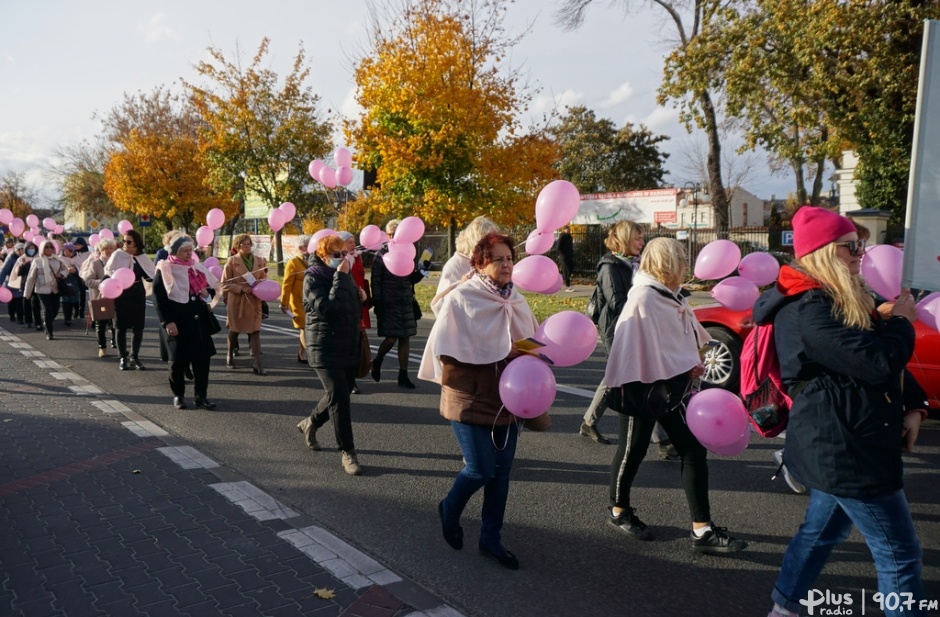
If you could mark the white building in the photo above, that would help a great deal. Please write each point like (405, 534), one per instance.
(670, 208)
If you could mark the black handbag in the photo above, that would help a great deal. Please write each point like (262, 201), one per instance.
(213, 322)
(650, 400)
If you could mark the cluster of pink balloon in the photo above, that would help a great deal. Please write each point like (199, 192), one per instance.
(29, 229)
(400, 258)
(719, 420)
(720, 258)
(282, 215)
(928, 310)
(527, 386)
(557, 204)
(119, 281)
(94, 238)
(328, 176)
(205, 234)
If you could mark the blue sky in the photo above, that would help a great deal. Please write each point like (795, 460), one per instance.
(63, 61)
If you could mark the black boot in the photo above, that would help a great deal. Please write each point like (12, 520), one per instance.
(377, 367)
(403, 380)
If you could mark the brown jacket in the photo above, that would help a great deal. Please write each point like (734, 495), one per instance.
(470, 393)
(244, 309)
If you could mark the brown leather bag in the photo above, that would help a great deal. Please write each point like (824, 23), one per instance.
(101, 309)
(365, 355)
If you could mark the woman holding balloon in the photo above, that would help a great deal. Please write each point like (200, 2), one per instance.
(130, 306)
(468, 367)
(45, 275)
(843, 362)
(657, 337)
(93, 275)
(242, 271)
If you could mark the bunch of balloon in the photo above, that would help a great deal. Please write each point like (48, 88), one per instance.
(400, 258)
(282, 215)
(557, 204)
(330, 177)
(719, 258)
(113, 287)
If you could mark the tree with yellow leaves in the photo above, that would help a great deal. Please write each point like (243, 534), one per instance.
(155, 166)
(440, 117)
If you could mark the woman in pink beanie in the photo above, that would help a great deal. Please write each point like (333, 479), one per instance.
(842, 362)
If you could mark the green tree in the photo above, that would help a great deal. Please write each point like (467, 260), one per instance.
(597, 157)
(258, 135)
(440, 117)
(696, 99)
(16, 194)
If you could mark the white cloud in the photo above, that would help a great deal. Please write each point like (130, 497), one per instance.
(622, 93)
(545, 103)
(661, 119)
(157, 29)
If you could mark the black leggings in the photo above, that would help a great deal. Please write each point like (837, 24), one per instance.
(634, 439)
(135, 343)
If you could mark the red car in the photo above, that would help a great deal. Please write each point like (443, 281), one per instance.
(722, 366)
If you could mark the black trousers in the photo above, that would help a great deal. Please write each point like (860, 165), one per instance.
(50, 310)
(101, 330)
(634, 439)
(200, 376)
(567, 267)
(337, 382)
(33, 309)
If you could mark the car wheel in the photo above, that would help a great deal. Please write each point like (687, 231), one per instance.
(723, 363)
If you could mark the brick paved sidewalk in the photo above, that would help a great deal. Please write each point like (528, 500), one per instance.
(104, 513)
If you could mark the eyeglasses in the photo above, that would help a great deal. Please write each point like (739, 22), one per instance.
(341, 254)
(501, 260)
(245, 243)
(128, 241)
(856, 247)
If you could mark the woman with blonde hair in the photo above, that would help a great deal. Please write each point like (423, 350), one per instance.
(458, 266)
(842, 361)
(657, 338)
(615, 272)
(242, 270)
(333, 313)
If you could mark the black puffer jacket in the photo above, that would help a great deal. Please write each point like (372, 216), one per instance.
(844, 431)
(614, 278)
(331, 301)
(393, 300)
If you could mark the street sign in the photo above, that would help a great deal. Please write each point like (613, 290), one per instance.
(143, 220)
(786, 238)
(93, 224)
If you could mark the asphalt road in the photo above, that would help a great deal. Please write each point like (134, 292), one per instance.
(572, 563)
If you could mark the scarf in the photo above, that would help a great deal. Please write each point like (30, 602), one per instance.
(493, 286)
(178, 277)
(197, 280)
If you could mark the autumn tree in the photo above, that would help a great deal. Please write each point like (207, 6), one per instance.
(156, 166)
(17, 195)
(440, 121)
(80, 174)
(258, 135)
(696, 100)
(597, 157)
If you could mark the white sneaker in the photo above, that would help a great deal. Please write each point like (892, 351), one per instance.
(779, 611)
(570, 289)
(792, 481)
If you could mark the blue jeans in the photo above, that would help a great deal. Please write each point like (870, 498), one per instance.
(488, 463)
(886, 524)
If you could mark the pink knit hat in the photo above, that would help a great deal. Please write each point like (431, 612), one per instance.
(814, 228)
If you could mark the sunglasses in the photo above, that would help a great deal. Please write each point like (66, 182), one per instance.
(128, 241)
(856, 247)
(338, 255)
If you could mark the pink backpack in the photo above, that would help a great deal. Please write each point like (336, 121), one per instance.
(763, 390)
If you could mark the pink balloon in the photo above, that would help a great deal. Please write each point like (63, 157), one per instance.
(211, 261)
(399, 264)
(5, 216)
(736, 293)
(539, 242)
(124, 226)
(204, 236)
(314, 169)
(881, 269)
(928, 310)
(554, 288)
(410, 229)
(276, 219)
(527, 387)
(717, 259)
(315, 238)
(735, 448)
(215, 218)
(289, 210)
(328, 177)
(124, 276)
(59, 229)
(403, 247)
(93, 239)
(570, 337)
(556, 205)
(5, 294)
(216, 270)
(371, 237)
(28, 235)
(110, 288)
(48, 224)
(32, 220)
(106, 233)
(762, 268)
(17, 227)
(342, 158)
(344, 175)
(266, 290)
(535, 273)
(716, 417)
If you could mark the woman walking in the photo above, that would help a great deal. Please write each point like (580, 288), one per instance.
(468, 367)
(292, 292)
(46, 273)
(332, 305)
(358, 273)
(11, 278)
(131, 306)
(182, 290)
(842, 361)
(70, 291)
(92, 273)
(242, 271)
